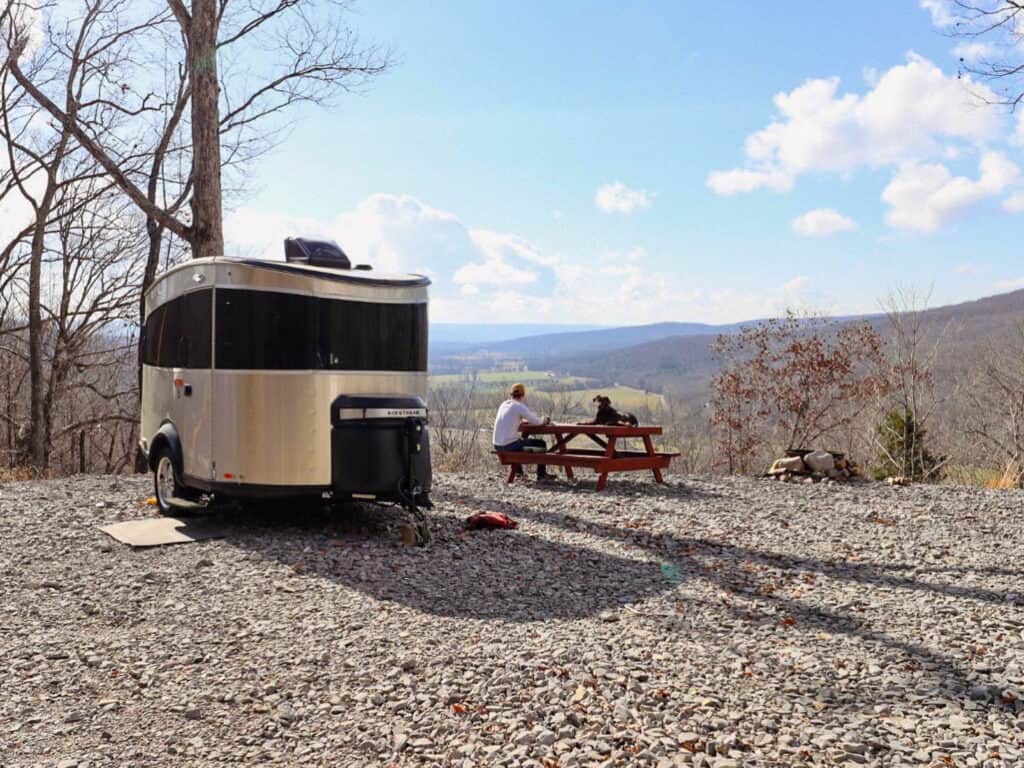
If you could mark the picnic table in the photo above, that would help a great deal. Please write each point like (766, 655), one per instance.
(603, 460)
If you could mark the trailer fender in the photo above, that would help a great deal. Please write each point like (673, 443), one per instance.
(167, 435)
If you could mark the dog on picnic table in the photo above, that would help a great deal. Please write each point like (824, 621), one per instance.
(608, 416)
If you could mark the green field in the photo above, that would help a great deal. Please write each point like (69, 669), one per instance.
(572, 388)
(508, 377)
(624, 398)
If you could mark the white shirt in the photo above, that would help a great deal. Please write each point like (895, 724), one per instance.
(506, 423)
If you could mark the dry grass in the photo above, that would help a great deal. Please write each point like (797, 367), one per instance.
(21, 474)
(1010, 478)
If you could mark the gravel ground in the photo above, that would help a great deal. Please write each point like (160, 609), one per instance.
(712, 622)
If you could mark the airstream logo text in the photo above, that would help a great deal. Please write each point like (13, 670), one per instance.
(382, 413)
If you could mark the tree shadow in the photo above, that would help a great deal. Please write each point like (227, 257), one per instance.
(750, 574)
(509, 575)
(519, 576)
(673, 488)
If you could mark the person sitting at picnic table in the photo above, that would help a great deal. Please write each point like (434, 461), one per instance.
(511, 414)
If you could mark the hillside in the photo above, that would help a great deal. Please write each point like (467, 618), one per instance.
(464, 335)
(682, 364)
(573, 343)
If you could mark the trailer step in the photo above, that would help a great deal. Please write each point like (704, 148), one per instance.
(185, 505)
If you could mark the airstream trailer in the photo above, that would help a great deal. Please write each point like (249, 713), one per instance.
(286, 378)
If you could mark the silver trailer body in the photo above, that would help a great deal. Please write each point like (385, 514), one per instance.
(244, 360)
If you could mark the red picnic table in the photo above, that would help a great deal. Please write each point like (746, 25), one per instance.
(603, 461)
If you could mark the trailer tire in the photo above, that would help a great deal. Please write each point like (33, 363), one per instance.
(165, 480)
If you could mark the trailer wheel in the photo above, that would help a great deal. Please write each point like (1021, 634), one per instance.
(165, 481)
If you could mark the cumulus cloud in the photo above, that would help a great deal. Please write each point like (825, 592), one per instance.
(973, 52)
(909, 118)
(910, 113)
(727, 183)
(1014, 203)
(923, 196)
(1017, 137)
(942, 11)
(1009, 285)
(494, 272)
(483, 275)
(822, 222)
(618, 198)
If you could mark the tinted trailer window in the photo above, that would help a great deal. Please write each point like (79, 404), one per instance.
(263, 330)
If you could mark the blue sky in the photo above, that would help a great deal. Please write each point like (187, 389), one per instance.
(482, 156)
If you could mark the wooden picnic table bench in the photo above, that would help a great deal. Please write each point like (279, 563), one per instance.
(603, 461)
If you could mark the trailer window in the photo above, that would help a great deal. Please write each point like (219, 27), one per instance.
(179, 333)
(263, 330)
(259, 330)
(360, 336)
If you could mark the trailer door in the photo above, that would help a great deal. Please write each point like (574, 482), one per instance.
(192, 406)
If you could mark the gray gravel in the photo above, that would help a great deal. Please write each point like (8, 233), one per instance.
(713, 622)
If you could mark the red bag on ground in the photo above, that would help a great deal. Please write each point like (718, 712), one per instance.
(480, 520)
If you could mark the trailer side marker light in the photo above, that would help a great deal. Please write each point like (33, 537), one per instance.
(179, 382)
(228, 476)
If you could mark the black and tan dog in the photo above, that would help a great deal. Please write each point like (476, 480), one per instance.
(608, 416)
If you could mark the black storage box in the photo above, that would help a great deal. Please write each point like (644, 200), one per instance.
(380, 446)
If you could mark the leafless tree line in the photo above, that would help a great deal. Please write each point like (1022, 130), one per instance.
(123, 122)
(911, 394)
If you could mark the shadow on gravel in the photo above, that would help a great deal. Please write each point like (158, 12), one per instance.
(623, 487)
(755, 575)
(517, 576)
(506, 575)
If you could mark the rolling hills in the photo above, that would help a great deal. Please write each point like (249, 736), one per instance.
(676, 358)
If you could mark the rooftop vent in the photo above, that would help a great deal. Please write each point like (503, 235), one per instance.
(316, 253)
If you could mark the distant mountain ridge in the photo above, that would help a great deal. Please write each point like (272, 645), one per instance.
(683, 364)
(468, 334)
(577, 342)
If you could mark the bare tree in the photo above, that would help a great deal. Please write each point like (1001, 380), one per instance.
(313, 56)
(1000, 23)
(910, 404)
(793, 382)
(994, 398)
(458, 437)
(44, 164)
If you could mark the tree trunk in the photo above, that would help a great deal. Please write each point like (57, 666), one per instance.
(207, 222)
(9, 396)
(38, 443)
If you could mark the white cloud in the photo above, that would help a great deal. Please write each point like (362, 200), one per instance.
(1014, 203)
(618, 198)
(1017, 137)
(492, 272)
(970, 268)
(739, 180)
(822, 222)
(972, 52)
(488, 276)
(912, 113)
(1009, 285)
(923, 196)
(942, 11)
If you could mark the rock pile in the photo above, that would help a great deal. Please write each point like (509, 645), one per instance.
(801, 465)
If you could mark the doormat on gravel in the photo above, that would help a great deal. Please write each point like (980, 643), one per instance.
(157, 531)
